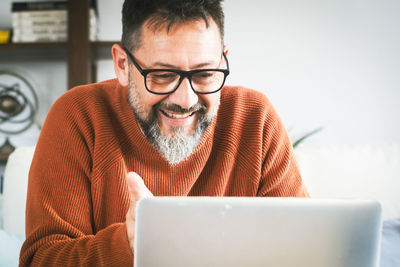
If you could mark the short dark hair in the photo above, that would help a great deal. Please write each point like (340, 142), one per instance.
(159, 12)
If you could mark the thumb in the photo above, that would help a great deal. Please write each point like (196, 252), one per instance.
(137, 188)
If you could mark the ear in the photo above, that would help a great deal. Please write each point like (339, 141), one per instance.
(120, 64)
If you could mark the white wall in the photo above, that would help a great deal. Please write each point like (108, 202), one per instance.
(331, 63)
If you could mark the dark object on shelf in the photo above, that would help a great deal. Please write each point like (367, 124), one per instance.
(5, 150)
(39, 6)
(1, 183)
(18, 107)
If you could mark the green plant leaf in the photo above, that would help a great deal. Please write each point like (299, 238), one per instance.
(304, 137)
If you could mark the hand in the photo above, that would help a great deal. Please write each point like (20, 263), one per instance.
(137, 190)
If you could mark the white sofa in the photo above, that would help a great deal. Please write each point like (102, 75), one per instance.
(15, 188)
(12, 205)
(357, 171)
(328, 171)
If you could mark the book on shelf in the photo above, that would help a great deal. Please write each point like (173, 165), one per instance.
(46, 21)
(39, 6)
(39, 38)
(43, 31)
(40, 24)
(20, 17)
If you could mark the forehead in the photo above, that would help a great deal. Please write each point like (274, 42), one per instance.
(185, 39)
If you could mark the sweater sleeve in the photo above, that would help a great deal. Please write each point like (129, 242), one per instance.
(60, 227)
(280, 175)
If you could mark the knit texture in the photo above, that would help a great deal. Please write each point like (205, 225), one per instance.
(77, 191)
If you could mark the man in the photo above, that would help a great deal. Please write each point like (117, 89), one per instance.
(165, 126)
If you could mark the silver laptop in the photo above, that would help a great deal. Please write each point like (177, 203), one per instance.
(277, 232)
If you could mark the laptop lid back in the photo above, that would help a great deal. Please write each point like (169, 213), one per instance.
(284, 232)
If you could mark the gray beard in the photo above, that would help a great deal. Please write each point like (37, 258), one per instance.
(179, 146)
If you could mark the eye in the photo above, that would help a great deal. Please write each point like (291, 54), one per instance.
(166, 75)
(163, 76)
(204, 74)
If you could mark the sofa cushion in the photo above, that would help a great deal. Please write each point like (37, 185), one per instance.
(390, 252)
(357, 171)
(15, 188)
(10, 246)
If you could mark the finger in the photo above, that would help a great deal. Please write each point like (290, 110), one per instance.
(136, 186)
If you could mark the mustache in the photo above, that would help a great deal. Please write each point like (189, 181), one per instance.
(178, 109)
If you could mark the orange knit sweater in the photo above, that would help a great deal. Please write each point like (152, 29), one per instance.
(77, 192)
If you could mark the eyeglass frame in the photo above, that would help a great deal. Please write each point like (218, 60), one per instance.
(182, 75)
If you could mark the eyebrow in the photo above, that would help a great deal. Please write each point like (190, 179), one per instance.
(170, 66)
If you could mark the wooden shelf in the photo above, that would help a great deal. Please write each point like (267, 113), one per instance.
(47, 45)
(51, 45)
(104, 44)
(36, 52)
(79, 53)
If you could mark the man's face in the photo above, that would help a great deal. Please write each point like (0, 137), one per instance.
(182, 115)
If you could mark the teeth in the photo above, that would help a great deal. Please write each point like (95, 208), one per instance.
(177, 116)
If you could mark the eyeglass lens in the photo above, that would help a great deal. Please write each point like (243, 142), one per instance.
(168, 81)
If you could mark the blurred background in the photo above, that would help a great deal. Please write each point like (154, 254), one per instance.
(323, 63)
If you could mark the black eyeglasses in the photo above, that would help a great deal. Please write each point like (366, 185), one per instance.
(166, 81)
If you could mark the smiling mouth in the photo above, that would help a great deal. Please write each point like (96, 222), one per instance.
(177, 115)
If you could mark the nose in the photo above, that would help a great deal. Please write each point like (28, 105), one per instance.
(184, 96)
